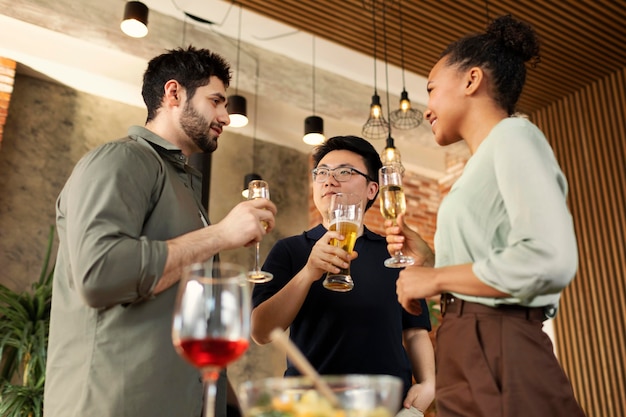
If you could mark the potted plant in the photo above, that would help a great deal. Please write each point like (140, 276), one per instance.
(24, 325)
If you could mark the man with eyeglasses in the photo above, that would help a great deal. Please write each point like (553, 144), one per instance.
(365, 330)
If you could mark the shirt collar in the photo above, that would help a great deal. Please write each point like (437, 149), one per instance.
(162, 146)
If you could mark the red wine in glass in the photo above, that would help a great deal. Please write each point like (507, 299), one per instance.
(211, 326)
(203, 353)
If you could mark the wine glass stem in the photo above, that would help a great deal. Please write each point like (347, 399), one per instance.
(209, 379)
(257, 258)
(398, 253)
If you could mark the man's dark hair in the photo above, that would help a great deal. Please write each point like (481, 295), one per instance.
(191, 67)
(353, 144)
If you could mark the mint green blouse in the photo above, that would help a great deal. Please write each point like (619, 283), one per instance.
(507, 215)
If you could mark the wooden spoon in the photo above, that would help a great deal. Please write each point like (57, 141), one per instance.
(279, 337)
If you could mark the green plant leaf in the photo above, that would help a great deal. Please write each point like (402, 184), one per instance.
(24, 327)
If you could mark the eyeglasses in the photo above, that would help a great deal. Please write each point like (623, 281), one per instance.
(341, 174)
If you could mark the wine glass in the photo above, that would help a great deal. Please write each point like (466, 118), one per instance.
(211, 326)
(258, 189)
(345, 215)
(392, 204)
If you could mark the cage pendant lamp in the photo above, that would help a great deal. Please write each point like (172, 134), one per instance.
(405, 117)
(237, 105)
(376, 127)
(313, 125)
(135, 20)
(390, 155)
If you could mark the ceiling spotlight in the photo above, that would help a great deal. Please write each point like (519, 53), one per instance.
(314, 130)
(313, 125)
(237, 111)
(135, 21)
(237, 108)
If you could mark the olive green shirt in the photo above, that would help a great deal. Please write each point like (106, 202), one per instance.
(110, 351)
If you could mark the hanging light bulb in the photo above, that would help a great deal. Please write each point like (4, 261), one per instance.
(237, 106)
(246, 181)
(390, 155)
(405, 117)
(313, 125)
(376, 127)
(237, 111)
(135, 20)
(313, 130)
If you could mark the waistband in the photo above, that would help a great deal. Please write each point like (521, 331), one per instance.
(453, 305)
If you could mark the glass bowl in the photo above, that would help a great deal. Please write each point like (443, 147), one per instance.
(358, 396)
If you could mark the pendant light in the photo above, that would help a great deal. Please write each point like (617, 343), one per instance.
(237, 106)
(405, 117)
(135, 20)
(376, 127)
(313, 125)
(390, 155)
(246, 181)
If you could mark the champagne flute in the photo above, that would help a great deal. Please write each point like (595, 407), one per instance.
(258, 189)
(345, 216)
(392, 204)
(211, 326)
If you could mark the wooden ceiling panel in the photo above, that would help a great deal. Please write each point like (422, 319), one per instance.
(581, 40)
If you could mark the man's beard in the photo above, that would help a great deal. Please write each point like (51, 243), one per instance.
(198, 129)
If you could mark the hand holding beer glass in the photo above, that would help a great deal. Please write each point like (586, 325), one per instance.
(345, 217)
(392, 204)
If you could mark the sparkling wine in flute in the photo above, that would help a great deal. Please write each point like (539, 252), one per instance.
(258, 189)
(393, 204)
(392, 201)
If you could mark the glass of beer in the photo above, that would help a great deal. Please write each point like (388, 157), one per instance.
(345, 215)
(392, 204)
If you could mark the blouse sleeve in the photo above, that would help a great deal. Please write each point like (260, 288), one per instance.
(540, 256)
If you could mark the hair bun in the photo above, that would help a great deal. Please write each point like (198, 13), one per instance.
(516, 36)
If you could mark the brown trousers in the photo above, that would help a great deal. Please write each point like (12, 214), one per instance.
(498, 363)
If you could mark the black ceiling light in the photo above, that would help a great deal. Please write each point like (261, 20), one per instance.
(237, 106)
(246, 181)
(135, 20)
(313, 125)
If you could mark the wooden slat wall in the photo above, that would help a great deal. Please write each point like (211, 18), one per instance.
(581, 40)
(588, 133)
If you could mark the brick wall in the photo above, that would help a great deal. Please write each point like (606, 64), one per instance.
(7, 77)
